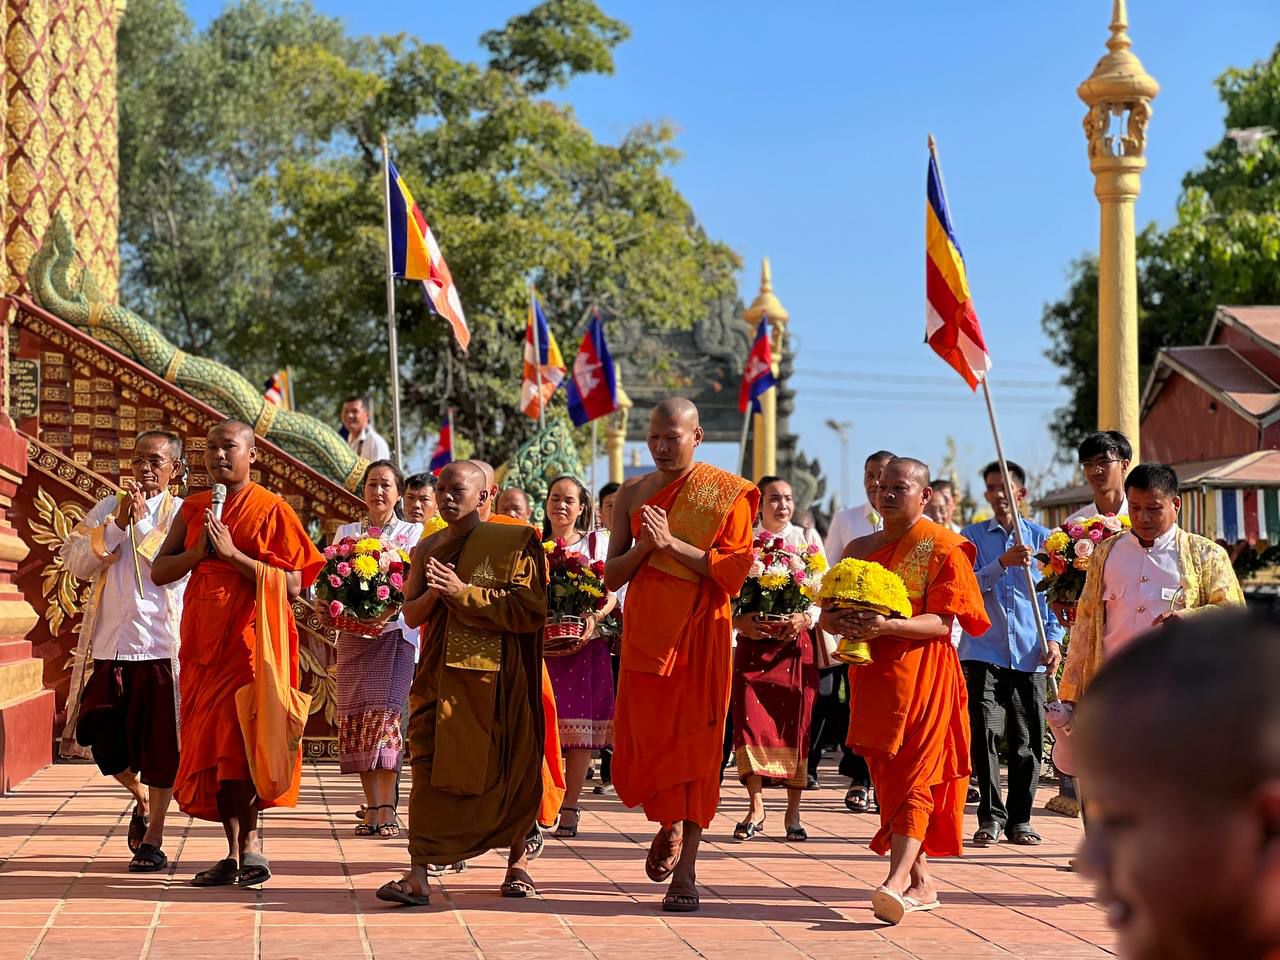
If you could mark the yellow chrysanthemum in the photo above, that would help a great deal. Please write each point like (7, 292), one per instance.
(773, 581)
(816, 563)
(591, 590)
(368, 545)
(365, 566)
(862, 581)
(404, 555)
(1056, 541)
(549, 546)
(1126, 522)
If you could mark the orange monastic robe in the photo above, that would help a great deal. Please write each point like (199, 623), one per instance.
(908, 708)
(553, 785)
(218, 619)
(677, 651)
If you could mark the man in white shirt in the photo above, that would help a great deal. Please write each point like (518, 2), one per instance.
(359, 433)
(126, 712)
(858, 521)
(1104, 460)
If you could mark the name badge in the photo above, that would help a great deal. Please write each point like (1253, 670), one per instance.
(1168, 593)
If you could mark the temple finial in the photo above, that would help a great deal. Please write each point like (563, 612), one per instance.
(1119, 27)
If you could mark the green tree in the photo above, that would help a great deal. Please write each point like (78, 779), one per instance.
(1224, 248)
(252, 201)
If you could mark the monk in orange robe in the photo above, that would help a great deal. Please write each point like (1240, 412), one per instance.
(682, 542)
(218, 631)
(908, 708)
(553, 785)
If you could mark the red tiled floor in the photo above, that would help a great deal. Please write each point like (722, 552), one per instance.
(64, 890)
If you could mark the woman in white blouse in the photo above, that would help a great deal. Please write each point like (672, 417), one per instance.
(374, 673)
(775, 681)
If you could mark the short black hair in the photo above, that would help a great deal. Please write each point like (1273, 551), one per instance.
(608, 489)
(1152, 478)
(943, 484)
(357, 398)
(1103, 443)
(419, 480)
(1014, 471)
(765, 481)
(880, 456)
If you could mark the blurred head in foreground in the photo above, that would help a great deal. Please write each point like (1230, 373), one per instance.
(1179, 747)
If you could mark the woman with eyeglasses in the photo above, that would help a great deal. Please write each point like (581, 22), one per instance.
(374, 673)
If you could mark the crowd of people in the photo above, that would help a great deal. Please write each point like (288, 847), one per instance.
(188, 595)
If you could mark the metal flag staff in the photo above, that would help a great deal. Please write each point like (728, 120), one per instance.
(391, 307)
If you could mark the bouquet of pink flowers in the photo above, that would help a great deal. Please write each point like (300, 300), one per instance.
(1064, 561)
(361, 587)
(782, 580)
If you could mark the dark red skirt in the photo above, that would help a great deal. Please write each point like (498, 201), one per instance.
(774, 686)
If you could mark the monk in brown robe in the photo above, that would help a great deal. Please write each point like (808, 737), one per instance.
(475, 710)
(908, 708)
(681, 542)
(218, 630)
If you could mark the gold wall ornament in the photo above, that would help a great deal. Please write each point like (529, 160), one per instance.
(61, 589)
(1118, 95)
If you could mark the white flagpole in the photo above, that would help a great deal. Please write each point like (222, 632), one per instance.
(595, 455)
(537, 356)
(391, 307)
(742, 441)
(1051, 684)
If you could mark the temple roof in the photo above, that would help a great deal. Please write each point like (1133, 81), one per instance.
(1221, 372)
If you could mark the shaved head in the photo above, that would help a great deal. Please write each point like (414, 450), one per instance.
(676, 410)
(904, 491)
(460, 493)
(918, 469)
(237, 427)
(1186, 873)
(486, 468)
(469, 470)
(674, 434)
(490, 487)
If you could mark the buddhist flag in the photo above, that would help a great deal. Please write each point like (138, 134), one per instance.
(442, 455)
(543, 364)
(757, 375)
(592, 390)
(276, 389)
(951, 324)
(416, 256)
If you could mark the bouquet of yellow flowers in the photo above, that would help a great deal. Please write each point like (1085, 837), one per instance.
(782, 580)
(862, 583)
(1064, 561)
(361, 587)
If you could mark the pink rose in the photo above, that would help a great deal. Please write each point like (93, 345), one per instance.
(812, 551)
(383, 592)
(344, 569)
(344, 549)
(1112, 523)
(799, 576)
(397, 581)
(778, 544)
(334, 581)
(1084, 548)
(1096, 534)
(335, 608)
(330, 552)
(1075, 531)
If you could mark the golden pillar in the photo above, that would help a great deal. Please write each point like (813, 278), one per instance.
(764, 425)
(1118, 94)
(615, 431)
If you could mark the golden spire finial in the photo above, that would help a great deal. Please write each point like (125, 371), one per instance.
(1119, 28)
(766, 302)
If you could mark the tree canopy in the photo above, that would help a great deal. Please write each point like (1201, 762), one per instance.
(1224, 248)
(252, 213)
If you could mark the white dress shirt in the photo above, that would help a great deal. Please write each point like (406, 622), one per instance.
(849, 524)
(127, 627)
(406, 536)
(1092, 510)
(370, 444)
(1138, 584)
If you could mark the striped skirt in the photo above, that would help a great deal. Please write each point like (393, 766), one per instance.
(374, 674)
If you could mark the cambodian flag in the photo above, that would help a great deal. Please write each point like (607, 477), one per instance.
(442, 455)
(593, 391)
(757, 375)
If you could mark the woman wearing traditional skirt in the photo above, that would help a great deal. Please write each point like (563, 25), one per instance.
(775, 680)
(583, 681)
(374, 673)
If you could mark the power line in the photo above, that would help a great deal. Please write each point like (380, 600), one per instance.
(920, 378)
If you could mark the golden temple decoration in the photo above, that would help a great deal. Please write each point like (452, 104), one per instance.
(265, 418)
(171, 371)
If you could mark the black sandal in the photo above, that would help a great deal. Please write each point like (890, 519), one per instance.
(534, 843)
(391, 829)
(746, 830)
(399, 891)
(221, 874)
(1025, 836)
(138, 824)
(568, 833)
(517, 885)
(148, 859)
(986, 835)
(797, 834)
(858, 799)
(254, 871)
(681, 902)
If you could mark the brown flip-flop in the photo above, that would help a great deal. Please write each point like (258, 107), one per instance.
(656, 867)
(398, 891)
(518, 885)
(682, 902)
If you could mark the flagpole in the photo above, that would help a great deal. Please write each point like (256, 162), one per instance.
(742, 441)
(595, 453)
(537, 355)
(391, 306)
(1051, 683)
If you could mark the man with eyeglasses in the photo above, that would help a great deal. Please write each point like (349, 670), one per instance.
(1104, 460)
(126, 710)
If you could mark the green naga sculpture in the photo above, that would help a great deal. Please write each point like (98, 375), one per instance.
(303, 436)
(550, 453)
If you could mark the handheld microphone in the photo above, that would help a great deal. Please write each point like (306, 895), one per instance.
(217, 498)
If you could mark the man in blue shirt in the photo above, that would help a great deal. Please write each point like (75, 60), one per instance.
(1005, 668)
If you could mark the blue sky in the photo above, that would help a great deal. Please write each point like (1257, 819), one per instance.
(803, 128)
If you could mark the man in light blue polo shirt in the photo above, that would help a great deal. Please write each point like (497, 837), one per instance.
(1005, 668)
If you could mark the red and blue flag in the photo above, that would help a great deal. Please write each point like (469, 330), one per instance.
(757, 375)
(442, 455)
(593, 389)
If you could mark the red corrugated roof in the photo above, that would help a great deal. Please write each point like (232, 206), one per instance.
(1220, 370)
(1263, 322)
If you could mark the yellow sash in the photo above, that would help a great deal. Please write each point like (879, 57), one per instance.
(698, 514)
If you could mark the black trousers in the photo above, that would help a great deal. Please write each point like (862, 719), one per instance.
(829, 727)
(1009, 703)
